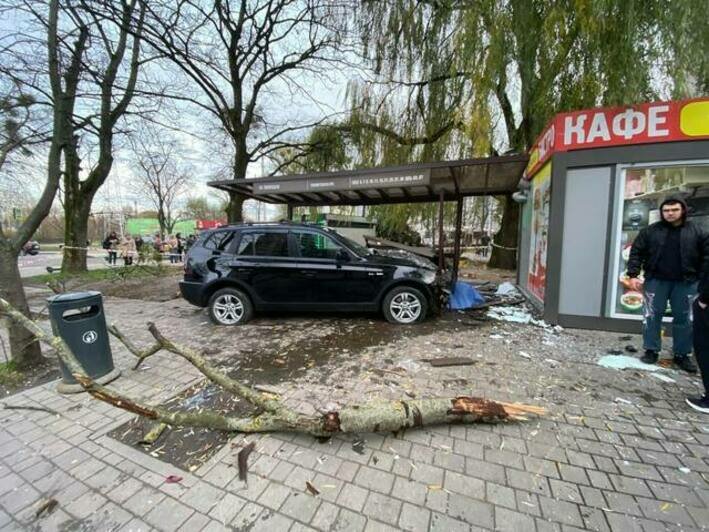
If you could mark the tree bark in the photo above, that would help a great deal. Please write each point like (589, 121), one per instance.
(505, 257)
(24, 347)
(235, 206)
(76, 222)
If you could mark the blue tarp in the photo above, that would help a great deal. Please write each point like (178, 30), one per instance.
(464, 296)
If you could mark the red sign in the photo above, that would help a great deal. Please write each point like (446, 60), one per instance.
(209, 224)
(636, 124)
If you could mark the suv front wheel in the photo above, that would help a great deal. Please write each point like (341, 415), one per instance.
(230, 306)
(404, 305)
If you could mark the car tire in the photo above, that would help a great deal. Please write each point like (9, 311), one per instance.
(405, 305)
(230, 306)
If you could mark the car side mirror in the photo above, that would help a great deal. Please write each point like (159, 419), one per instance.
(342, 256)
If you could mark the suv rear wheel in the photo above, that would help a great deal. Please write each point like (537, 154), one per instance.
(230, 306)
(404, 305)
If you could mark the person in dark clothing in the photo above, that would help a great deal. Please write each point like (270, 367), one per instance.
(701, 343)
(485, 241)
(110, 244)
(180, 246)
(674, 254)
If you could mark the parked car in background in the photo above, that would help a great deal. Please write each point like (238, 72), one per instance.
(237, 270)
(31, 248)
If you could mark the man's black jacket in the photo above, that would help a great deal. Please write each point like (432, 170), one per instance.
(694, 250)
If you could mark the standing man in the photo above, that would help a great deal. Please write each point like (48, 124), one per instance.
(674, 254)
(701, 343)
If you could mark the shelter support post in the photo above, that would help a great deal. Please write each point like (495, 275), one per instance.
(289, 211)
(458, 235)
(441, 203)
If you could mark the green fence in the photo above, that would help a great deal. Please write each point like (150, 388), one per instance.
(150, 226)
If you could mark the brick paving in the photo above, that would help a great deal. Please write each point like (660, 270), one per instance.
(593, 463)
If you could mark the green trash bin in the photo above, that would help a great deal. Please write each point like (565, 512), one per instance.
(79, 320)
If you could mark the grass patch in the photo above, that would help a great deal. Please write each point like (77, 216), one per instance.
(111, 274)
(9, 374)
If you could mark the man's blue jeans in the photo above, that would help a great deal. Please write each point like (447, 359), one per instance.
(680, 294)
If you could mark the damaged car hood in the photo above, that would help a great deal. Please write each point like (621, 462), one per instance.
(398, 256)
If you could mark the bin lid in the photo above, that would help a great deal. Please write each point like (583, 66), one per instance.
(73, 296)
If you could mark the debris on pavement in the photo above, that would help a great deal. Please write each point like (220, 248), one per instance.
(451, 361)
(311, 488)
(45, 506)
(625, 362)
(515, 315)
(663, 378)
(358, 446)
(173, 479)
(507, 289)
(242, 459)
(153, 434)
(624, 401)
(464, 296)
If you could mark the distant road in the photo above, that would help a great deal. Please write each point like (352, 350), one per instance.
(37, 264)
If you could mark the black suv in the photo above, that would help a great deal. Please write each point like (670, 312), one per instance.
(237, 269)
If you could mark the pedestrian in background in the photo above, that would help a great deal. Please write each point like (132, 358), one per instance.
(127, 249)
(180, 246)
(110, 244)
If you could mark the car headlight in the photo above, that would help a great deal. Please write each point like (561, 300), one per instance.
(428, 276)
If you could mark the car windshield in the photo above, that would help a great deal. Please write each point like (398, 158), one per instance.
(354, 246)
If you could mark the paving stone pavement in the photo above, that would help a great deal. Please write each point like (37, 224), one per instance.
(640, 463)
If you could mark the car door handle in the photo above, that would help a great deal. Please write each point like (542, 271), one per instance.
(307, 273)
(372, 274)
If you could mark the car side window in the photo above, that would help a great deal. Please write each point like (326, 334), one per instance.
(316, 246)
(263, 245)
(219, 241)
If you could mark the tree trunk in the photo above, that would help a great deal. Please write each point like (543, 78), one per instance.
(235, 206)
(25, 350)
(76, 230)
(504, 250)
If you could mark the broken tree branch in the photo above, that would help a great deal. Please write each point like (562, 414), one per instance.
(380, 416)
(142, 354)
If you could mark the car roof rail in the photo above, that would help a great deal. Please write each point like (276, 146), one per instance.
(282, 222)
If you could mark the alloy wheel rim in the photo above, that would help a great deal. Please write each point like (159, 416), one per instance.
(405, 307)
(228, 309)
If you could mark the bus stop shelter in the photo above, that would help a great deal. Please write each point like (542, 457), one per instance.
(415, 183)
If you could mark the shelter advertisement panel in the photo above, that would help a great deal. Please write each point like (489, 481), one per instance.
(643, 189)
(541, 202)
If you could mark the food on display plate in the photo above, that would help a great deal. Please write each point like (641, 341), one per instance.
(624, 280)
(631, 301)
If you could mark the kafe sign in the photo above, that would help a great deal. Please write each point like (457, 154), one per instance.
(636, 124)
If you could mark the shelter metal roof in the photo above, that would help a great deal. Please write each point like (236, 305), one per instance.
(412, 183)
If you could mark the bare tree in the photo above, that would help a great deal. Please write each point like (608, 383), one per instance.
(63, 73)
(245, 55)
(159, 177)
(114, 31)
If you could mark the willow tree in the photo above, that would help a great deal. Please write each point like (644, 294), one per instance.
(503, 68)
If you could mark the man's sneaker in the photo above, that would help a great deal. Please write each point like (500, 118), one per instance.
(686, 363)
(650, 357)
(700, 404)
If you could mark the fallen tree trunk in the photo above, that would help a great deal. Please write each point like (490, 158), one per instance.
(272, 415)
